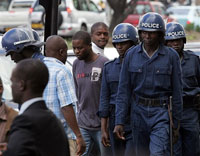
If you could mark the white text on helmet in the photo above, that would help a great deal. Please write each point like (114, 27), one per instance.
(150, 25)
(176, 33)
(120, 36)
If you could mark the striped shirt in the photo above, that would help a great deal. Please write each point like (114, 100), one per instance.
(60, 90)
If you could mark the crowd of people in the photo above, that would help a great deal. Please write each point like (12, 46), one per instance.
(145, 102)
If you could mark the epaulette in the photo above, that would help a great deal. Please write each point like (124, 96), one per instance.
(109, 61)
(192, 53)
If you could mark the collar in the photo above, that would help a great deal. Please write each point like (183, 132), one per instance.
(185, 55)
(28, 103)
(160, 50)
(52, 59)
(117, 61)
(96, 49)
(3, 112)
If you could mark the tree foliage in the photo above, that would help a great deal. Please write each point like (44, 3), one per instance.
(121, 9)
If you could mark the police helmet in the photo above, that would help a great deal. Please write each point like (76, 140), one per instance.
(124, 32)
(174, 31)
(17, 39)
(151, 21)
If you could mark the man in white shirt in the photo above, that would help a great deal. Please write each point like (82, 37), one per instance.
(99, 36)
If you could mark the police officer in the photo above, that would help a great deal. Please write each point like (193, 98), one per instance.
(150, 74)
(124, 36)
(188, 143)
(21, 43)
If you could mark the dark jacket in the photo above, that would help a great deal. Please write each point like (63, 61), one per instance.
(37, 132)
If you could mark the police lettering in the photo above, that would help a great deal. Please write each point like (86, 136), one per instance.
(150, 25)
(176, 33)
(120, 36)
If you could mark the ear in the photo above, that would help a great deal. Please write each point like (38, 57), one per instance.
(22, 85)
(60, 52)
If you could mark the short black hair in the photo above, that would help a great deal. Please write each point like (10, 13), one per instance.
(82, 35)
(35, 72)
(96, 25)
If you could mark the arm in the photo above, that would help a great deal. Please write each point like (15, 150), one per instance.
(176, 90)
(69, 115)
(104, 132)
(123, 96)
(21, 140)
(67, 96)
(104, 108)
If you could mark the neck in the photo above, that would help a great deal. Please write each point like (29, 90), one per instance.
(150, 49)
(30, 96)
(92, 57)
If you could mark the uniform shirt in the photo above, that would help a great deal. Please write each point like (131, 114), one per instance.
(38, 55)
(60, 90)
(109, 86)
(87, 77)
(156, 77)
(191, 73)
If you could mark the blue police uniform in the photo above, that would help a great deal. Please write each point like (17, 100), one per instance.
(110, 81)
(148, 83)
(188, 143)
(38, 55)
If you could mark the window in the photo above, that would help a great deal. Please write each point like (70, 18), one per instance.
(142, 9)
(83, 5)
(21, 5)
(93, 7)
(4, 4)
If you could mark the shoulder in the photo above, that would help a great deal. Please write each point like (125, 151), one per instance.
(170, 51)
(11, 113)
(110, 62)
(190, 53)
(103, 58)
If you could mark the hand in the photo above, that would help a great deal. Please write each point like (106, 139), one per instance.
(105, 139)
(80, 146)
(175, 135)
(119, 132)
(3, 147)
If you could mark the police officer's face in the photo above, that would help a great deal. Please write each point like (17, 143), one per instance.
(100, 36)
(150, 38)
(81, 50)
(122, 47)
(177, 44)
(16, 57)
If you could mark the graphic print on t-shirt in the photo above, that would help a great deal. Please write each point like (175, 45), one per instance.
(96, 72)
(95, 75)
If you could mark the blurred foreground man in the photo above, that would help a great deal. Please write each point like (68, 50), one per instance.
(150, 74)
(35, 131)
(188, 143)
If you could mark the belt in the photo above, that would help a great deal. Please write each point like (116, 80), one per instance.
(152, 102)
